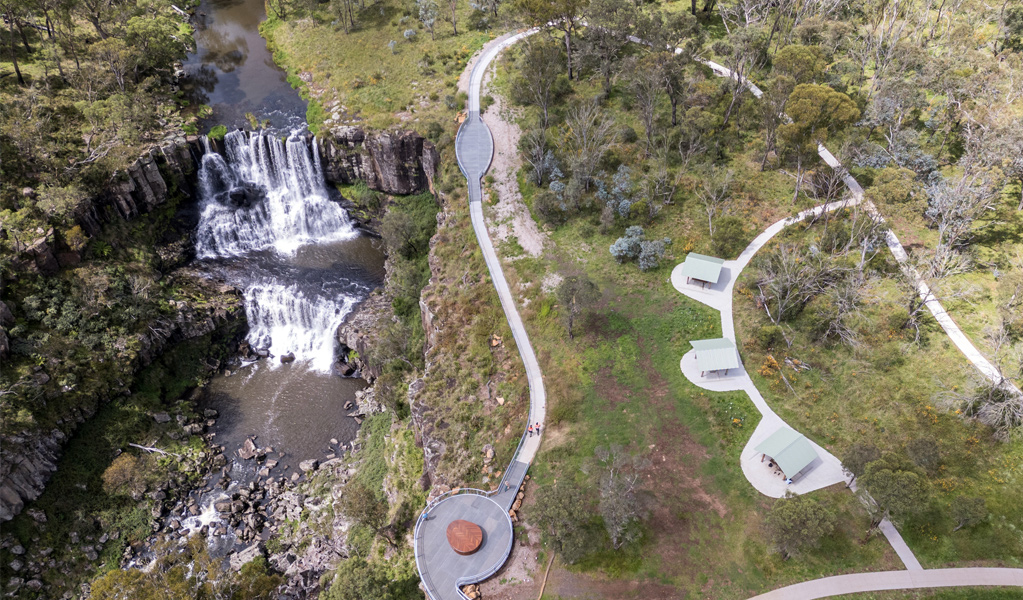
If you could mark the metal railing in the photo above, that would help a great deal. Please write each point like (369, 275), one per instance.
(420, 558)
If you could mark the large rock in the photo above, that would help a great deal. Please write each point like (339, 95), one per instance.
(400, 162)
(360, 331)
(248, 449)
(238, 559)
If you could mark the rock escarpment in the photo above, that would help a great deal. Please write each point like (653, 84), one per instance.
(359, 332)
(29, 458)
(146, 184)
(401, 162)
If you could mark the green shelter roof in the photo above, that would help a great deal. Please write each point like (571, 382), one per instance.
(791, 450)
(704, 268)
(716, 355)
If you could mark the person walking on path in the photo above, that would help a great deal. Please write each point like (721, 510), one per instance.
(530, 431)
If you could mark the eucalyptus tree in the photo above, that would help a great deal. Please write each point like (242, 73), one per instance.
(540, 68)
(565, 16)
(609, 25)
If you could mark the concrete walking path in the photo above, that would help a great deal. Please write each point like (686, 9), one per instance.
(443, 571)
(896, 580)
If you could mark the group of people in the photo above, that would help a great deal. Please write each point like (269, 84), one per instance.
(534, 428)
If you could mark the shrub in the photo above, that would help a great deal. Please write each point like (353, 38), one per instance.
(125, 476)
(730, 236)
(640, 211)
(550, 207)
(478, 20)
(770, 336)
(632, 246)
(434, 130)
(967, 511)
(628, 247)
(486, 102)
(799, 523)
(218, 132)
(627, 134)
(651, 253)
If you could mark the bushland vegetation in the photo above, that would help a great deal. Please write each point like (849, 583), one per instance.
(85, 86)
(700, 161)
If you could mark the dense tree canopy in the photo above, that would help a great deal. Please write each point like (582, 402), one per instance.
(85, 99)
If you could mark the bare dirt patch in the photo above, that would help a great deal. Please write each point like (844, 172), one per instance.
(509, 216)
(566, 584)
(673, 479)
(521, 575)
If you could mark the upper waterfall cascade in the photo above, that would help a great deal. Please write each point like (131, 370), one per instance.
(267, 194)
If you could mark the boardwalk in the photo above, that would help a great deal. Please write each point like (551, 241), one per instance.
(443, 571)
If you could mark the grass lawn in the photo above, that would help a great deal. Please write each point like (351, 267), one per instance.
(619, 382)
(378, 86)
(884, 392)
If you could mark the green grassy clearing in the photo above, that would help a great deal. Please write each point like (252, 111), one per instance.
(884, 392)
(410, 85)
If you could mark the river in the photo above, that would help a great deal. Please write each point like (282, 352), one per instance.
(271, 226)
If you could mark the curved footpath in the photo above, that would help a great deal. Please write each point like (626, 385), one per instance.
(896, 580)
(443, 572)
(960, 339)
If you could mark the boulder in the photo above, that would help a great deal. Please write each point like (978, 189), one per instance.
(194, 428)
(248, 449)
(162, 417)
(309, 465)
(242, 557)
(288, 358)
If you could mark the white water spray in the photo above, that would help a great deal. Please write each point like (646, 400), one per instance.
(267, 194)
(284, 319)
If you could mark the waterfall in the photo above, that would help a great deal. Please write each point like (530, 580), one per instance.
(270, 195)
(285, 319)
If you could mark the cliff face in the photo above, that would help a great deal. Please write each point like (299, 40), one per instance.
(400, 162)
(28, 458)
(359, 332)
(145, 184)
